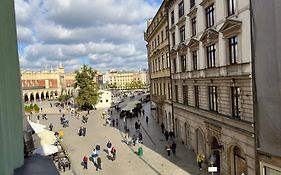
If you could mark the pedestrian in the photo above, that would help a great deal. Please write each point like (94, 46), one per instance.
(80, 131)
(162, 127)
(136, 125)
(113, 123)
(108, 145)
(168, 149)
(41, 109)
(134, 140)
(84, 131)
(143, 112)
(85, 162)
(98, 149)
(117, 123)
(98, 163)
(171, 135)
(94, 156)
(166, 135)
(200, 160)
(38, 117)
(140, 137)
(51, 127)
(113, 152)
(88, 111)
(61, 134)
(174, 146)
(146, 119)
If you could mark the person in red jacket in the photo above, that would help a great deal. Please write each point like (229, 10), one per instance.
(85, 162)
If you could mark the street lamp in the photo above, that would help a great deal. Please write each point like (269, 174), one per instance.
(75, 95)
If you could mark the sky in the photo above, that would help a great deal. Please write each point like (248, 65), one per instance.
(104, 34)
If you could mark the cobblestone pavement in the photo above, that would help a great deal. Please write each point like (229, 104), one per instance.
(154, 159)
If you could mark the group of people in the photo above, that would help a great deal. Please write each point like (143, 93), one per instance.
(96, 158)
(171, 147)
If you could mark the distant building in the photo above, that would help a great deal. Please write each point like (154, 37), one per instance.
(120, 79)
(46, 84)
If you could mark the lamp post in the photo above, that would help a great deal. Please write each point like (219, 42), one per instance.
(75, 95)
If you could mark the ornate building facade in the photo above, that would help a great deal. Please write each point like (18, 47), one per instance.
(211, 81)
(121, 79)
(46, 84)
(156, 36)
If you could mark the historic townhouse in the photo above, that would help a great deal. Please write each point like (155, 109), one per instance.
(156, 36)
(210, 52)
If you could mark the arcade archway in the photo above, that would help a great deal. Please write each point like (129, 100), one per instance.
(200, 142)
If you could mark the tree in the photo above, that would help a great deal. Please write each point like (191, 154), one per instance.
(63, 98)
(88, 92)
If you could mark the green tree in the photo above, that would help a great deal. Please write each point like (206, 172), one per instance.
(88, 90)
(36, 108)
(63, 98)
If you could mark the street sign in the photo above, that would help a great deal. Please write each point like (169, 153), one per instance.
(212, 169)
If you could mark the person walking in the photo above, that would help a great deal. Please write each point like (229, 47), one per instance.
(98, 163)
(51, 127)
(61, 134)
(174, 146)
(162, 127)
(85, 162)
(98, 149)
(168, 149)
(113, 152)
(146, 119)
(94, 156)
(117, 123)
(113, 123)
(108, 145)
(84, 131)
(200, 160)
(143, 112)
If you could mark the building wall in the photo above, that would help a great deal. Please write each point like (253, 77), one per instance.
(204, 129)
(11, 112)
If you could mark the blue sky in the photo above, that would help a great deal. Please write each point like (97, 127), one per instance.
(105, 34)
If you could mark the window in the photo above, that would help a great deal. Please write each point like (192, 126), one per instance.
(183, 63)
(185, 94)
(192, 3)
(174, 66)
(210, 15)
(167, 59)
(194, 60)
(231, 5)
(162, 35)
(155, 42)
(172, 17)
(182, 34)
(160, 89)
(162, 61)
(158, 39)
(193, 26)
(233, 50)
(173, 39)
(213, 98)
(211, 56)
(159, 63)
(176, 93)
(235, 94)
(164, 89)
(181, 9)
(196, 96)
(169, 91)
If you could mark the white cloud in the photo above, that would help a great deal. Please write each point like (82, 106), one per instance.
(105, 34)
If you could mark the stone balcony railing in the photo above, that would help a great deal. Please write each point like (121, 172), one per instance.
(159, 99)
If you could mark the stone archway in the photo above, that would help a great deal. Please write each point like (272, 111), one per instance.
(200, 142)
(31, 97)
(37, 97)
(237, 160)
(215, 146)
(42, 96)
(26, 99)
(47, 95)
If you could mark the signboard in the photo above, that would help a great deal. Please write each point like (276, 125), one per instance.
(212, 169)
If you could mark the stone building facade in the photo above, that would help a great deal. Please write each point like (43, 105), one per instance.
(157, 38)
(121, 79)
(210, 52)
(46, 84)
